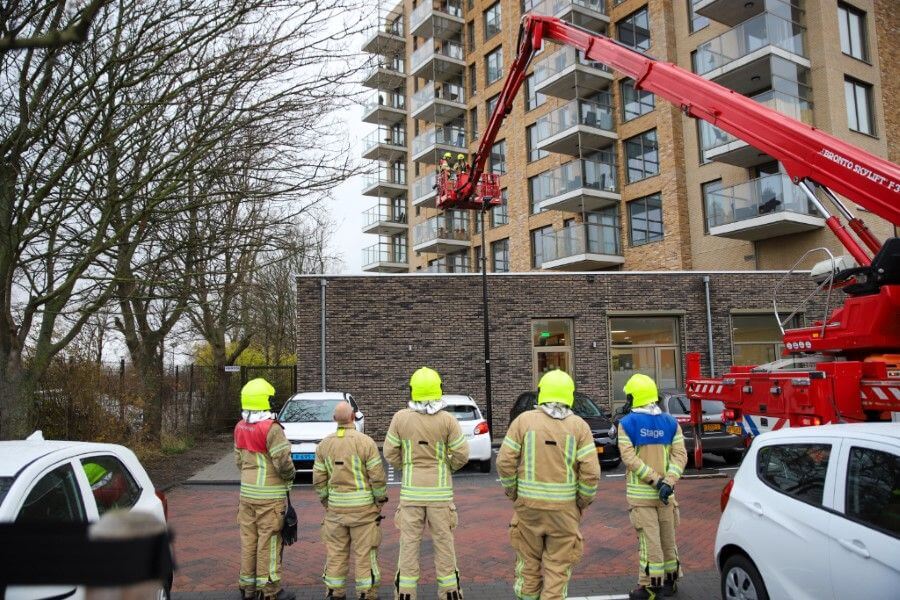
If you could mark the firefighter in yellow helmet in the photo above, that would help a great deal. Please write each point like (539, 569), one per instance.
(425, 443)
(460, 165)
(548, 466)
(652, 449)
(263, 456)
(348, 476)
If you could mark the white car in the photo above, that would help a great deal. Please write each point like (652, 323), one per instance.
(307, 418)
(43, 481)
(473, 426)
(814, 512)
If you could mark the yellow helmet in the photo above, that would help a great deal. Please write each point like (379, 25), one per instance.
(460, 157)
(556, 386)
(425, 385)
(256, 393)
(448, 155)
(642, 390)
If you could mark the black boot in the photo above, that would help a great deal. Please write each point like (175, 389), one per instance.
(284, 595)
(669, 587)
(644, 592)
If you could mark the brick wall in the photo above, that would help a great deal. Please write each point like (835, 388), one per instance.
(381, 328)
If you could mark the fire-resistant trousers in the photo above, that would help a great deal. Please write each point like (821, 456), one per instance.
(657, 552)
(360, 530)
(260, 525)
(441, 521)
(548, 539)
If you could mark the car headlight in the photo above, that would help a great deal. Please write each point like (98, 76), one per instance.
(612, 432)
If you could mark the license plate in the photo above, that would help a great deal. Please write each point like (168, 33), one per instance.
(712, 427)
(600, 449)
(735, 430)
(303, 456)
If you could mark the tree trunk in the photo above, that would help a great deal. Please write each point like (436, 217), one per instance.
(151, 376)
(16, 399)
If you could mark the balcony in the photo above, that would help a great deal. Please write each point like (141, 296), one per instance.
(383, 219)
(439, 103)
(452, 264)
(428, 147)
(386, 40)
(386, 182)
(587, 14)
(732, 12)
(723, 147)
(385, 75)
(578, 185)
(424, 193)
(385, 257)
(585, 247)
(763, 208)
(385, 108)
(437, 18)
(442, 234)
(438, 60)
(580, 124)
(567, 74)
(385, 144)
(736, 52)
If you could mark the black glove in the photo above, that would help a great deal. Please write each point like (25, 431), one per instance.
(380, 502)
(665, 490)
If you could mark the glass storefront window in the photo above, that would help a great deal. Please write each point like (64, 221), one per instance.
(635, 331)
(648, 345)
(551, 342)
(756, 339)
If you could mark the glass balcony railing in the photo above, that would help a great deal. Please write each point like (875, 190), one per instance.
(586, 238)
(711, 137)
(384, 175)
(555, 7)
(765, 29)
(561, 60)
(577, 112)
(424, 186)
(397, 101)
(425, 9)
(765, 195)
(449, 92)
(575, 175)
(392, 65)
(383, 213)
(444, 136)
(431, 49)
(451, 267)
(454, 225)
(384, 135)
(384, 252)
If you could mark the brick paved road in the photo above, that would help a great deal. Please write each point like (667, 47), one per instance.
(206, 543)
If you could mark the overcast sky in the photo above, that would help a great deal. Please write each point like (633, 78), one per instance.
(348, 204)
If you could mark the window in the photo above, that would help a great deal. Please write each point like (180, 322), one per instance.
(642, 156)
(532, 98)
(500, 256)
(470, 36)
(635, 102)
(695, 22)
(534, 153)
(478, 258)
(859, 106)
(634, 30)
(498, 158)
(871, 498)
(852, 23)
(645, 222)
(713, 210)
(473, 80)
(490, 105)
(55, 498)
(551, 344)
(473, 124)
(493, 63)
(756, 339)
(646, 344)
(500, 212)
(111, 483)
(541, 239)
(796, 470)
(492, 21)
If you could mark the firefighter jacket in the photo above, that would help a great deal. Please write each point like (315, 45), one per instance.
(263, 456)
(348, 472)
(652, 448)
(427, 448)
(546, 463)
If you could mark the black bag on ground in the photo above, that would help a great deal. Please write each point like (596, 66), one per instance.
(289, 528)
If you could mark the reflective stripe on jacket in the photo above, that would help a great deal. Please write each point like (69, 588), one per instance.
(348, 471)
(652, 448)
(266, 473)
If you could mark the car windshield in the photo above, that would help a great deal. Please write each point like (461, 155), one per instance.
(680, 405)
(5, 484)
(463, 412)
(308, 411)
(585, 407)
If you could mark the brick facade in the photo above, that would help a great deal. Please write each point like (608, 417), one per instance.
(381, 328)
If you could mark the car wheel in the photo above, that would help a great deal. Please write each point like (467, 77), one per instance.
(733, 458)
(485, 466)
(741, 580)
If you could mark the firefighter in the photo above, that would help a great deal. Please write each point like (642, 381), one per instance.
(263, 456)
(652, 448)
(548, 466)
(348, 476)
(460, 165)
(444, 165)
(427, 445)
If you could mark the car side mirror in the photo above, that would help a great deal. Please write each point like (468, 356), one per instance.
(358, 416)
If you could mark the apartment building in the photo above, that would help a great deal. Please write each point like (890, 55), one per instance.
(597, 175)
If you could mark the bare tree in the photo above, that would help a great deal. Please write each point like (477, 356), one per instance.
(29, 18)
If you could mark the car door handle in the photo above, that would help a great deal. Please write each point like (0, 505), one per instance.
(757, 508)
(855, 546)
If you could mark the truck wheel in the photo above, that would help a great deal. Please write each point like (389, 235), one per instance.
(733, 458)
(740, 579)
(485, 466)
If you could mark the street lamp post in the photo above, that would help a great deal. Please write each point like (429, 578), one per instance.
(486, 326)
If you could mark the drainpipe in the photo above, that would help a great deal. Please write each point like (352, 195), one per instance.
(323, 284)
(709, 328)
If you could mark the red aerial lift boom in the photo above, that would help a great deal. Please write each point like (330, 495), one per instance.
(844, 368)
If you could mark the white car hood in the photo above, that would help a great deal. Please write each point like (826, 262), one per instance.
(308, 431)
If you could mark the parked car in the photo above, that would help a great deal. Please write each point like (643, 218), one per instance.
(44, 481)
(720, 437)
(474, 427)
(814, 512)
(599, 421)
(307, 418)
